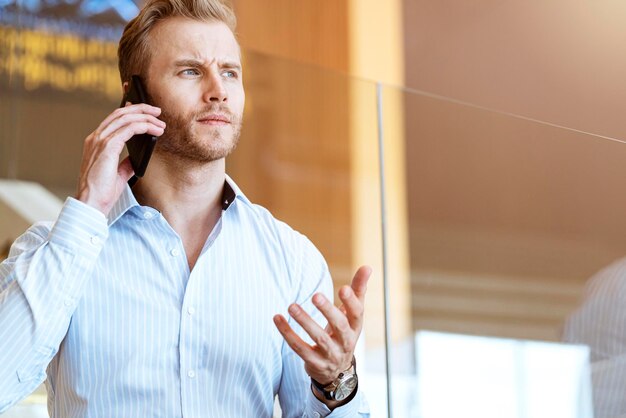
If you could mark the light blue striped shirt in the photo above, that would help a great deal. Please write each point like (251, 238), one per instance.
(600, 323)
(108, 311)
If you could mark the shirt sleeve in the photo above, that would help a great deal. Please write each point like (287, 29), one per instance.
(40, 285)
(295, 394)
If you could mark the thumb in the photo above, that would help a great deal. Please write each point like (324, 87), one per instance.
(125, 169)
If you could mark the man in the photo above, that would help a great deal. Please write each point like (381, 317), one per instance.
(600, 323)
(159, 300)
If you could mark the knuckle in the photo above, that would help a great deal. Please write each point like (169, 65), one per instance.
(357, 310)
(324, 339)
(126, 118)
(92, 137)
(297, 347)
(343, 325)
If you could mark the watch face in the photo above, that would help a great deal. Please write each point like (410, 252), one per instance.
(345, 388)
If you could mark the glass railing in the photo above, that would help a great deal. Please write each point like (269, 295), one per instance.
(507, 218)
(493, 223)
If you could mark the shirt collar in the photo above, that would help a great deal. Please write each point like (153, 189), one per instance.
(124, 204)
(127, 200)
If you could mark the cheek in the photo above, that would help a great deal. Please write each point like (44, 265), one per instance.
(237, 101)
(176, 105)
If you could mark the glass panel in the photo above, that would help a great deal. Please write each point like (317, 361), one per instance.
(506, 219)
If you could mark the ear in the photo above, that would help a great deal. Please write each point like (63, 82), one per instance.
(125, 87)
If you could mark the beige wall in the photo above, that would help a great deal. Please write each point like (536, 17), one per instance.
(312, 32)
(559, 61)
(509, 218)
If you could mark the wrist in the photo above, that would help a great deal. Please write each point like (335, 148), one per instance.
(340, 391)
(331, 404)
(85, 197)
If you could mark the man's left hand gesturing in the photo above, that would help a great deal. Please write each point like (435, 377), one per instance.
(334, 345)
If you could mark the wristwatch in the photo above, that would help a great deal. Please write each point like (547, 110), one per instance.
(342, 387)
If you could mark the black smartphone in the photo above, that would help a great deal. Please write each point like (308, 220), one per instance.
(139, 147)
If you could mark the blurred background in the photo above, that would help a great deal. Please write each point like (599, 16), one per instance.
(470, 152)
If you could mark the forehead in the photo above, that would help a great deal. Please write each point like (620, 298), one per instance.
(178, 37)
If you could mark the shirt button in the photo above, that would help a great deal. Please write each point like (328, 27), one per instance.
(95, 240)
(317, 415)
(191, 310)
(147, 215)
(67, 303)
(174, 252)
(191, 374)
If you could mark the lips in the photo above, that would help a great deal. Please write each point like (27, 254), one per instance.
(214, 118)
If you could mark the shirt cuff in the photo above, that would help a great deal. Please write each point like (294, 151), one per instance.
(319, 409)
(80, 228)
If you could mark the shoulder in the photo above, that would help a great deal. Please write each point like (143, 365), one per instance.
(611, 280)
(278, 232)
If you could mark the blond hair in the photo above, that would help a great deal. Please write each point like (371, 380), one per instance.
(134, 52)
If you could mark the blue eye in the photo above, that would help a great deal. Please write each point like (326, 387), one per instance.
(189, 71)
(230, 74)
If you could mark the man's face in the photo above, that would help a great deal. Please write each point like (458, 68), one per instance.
(195, 78)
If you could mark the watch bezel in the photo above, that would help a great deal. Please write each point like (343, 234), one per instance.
(350, 382)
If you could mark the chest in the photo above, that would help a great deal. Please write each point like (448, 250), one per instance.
(147, 314)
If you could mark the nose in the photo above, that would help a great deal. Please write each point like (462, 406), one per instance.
(214, 90)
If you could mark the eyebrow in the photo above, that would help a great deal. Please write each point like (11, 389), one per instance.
(197, 63)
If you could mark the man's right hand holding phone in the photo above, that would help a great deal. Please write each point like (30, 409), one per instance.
(102, 177)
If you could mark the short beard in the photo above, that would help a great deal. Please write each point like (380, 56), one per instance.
(179, 141)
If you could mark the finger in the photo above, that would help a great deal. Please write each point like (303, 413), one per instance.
(138, 108)
(337, 320)
(124, 133)
(352, 307)
(359, 282)
(297, 344)
(129, 118)
(315, 331)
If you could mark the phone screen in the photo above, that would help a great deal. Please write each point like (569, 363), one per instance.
(139, 147)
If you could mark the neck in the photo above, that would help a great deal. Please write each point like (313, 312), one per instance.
(174, 187)
(188, 196)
